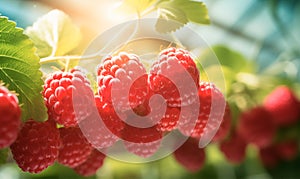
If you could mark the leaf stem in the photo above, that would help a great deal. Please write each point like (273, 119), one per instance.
(70, 58)
(177, 41)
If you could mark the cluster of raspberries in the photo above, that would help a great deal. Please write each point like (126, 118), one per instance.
(270, 127)
(133, 106)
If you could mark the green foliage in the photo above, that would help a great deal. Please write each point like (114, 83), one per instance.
(226, 61)
(174, 14)
(54, 34)
(3, 156)
(19, 69)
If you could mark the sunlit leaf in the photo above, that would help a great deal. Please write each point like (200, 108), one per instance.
(135, 6)
(174, 14)
(54, 34)
(170, 18)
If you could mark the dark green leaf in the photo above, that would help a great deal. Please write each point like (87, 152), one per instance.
(19, 69)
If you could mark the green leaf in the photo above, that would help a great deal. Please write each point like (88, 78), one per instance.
(19, 69)
(54, 34)
(170, 18)
(182, 12)
(135, 6)
(3, 156)
(227, 57)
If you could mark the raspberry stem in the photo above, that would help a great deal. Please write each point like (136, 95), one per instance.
(70, 58)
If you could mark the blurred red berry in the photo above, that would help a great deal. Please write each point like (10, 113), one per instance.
(234, 148)
(288, 149)
(91, 165)
(257, 127)
(225, 125)
(283, 106)
(190, 156)
(269, 156)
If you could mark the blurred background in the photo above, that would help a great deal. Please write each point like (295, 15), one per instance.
(263, 32)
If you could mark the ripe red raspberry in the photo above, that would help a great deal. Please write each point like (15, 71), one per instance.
(143, 149)
(234, 148)
(37, 146)
(190, 155)
(10, 117)
(91, 165)
(169, 120)
(96, 130)
(225, 125)
(283, 106)
(159, 113)
(75, 149)
(112, 120)
(141, 135)
(174, 73)
(67, 96)
(208, 117)
(256, 126)
(143, 141)
(122, 81)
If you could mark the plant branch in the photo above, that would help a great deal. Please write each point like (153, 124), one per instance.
(70, 58)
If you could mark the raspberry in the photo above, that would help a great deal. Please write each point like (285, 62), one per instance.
(141, 135)
(283, 106)
(109, 116)
(145, 141)
(256, 126)
(190, 155)
(174, 73)
(166, 121)
(225, 125)
(210, 113)
(37, 146)
(10, 117)
(143, 149)
(122, 81)
(284, 150)
(268, 156)
(169, 120)
(67, 96)
(104, 127)
(75, 148)
(287, 150)
(234, 148)
(91, 165)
